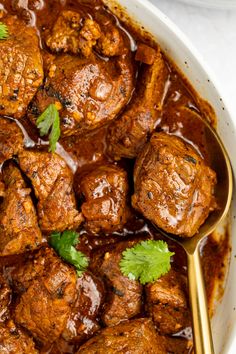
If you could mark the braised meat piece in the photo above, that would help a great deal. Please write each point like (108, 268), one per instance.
(129, 133)
(78, 35)
(145, 54)
(90, 91)
(177, 345)
(83, 320)
(14, 340)
(111, 42)
(21, 70)
(105, 191)
(123, 300)
(5, 299)
(71, 33)
(2, 187)
(167, 303)
(19, 230)
(29, 270)
(52, 180)
(114, 40)
(173, 186)
(11, 139)
(136, 337)
(25, 9)
(45, 305)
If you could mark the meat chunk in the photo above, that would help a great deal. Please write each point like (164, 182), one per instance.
(5, 299)
(136, 337)
(167, 303)
(111, 42)
(105, 191)
(45, 305)
(114, 40)
(173, 186)
(19, 230)
(129, 133)
(177, 345)
(75, 34)
(21, 70)
(145, 54)
(14, 340)
(2, 188)
(83, 320)
(90, 91)
(25, 9)
(11, 139)
(123, 300)
(53, 185)
(71, 33)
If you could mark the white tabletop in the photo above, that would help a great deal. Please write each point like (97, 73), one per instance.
(213, 32)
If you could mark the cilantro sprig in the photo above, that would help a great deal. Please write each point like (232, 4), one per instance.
(3, 31)
(146, 261)
(63, 244)
(49, 120)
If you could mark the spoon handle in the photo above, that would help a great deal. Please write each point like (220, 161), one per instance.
(203, 343)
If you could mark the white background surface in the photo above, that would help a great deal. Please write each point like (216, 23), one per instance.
(213, 33)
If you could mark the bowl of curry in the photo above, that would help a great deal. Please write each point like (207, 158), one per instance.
(99, 141)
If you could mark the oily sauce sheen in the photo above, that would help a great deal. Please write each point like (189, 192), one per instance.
(82, 152)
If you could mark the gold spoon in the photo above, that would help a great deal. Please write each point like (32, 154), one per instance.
(220, 163)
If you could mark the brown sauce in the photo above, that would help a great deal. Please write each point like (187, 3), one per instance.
(83, 151)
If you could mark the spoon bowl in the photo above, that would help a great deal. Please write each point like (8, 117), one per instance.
(219, 161)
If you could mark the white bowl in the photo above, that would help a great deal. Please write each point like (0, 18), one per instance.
(177, 46)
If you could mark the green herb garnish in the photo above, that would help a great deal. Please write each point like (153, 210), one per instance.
(3, 31)
(146, 261)
(63, 244)
(49, 120)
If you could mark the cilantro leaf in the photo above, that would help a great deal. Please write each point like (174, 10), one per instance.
(146, 261)
(49, 120)
(63, 244)
(3, 31)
